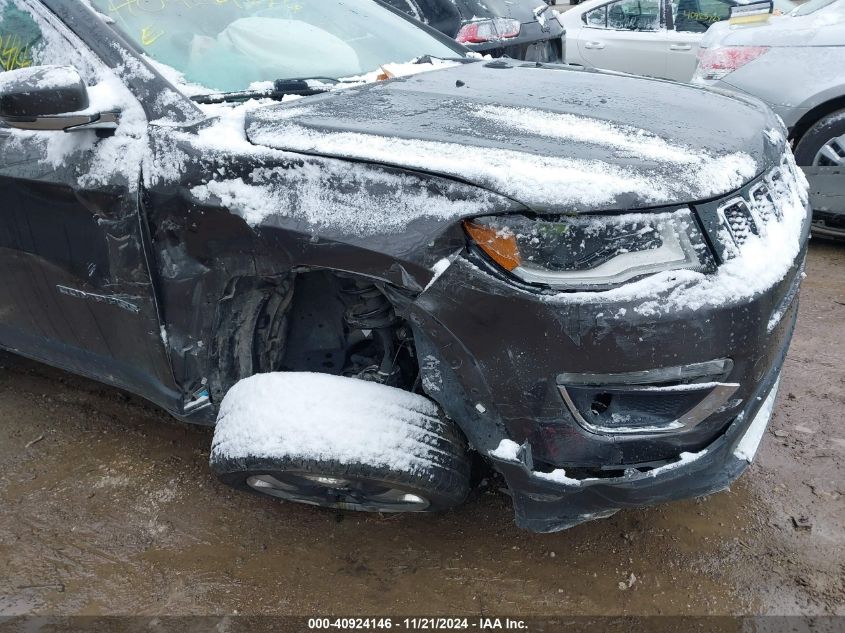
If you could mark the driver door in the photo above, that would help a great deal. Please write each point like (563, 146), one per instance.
(76, 291)
(625, 36)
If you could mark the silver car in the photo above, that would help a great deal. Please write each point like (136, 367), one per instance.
(796, 64)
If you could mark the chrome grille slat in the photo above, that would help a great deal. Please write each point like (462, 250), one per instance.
(736, 215)
(744, 217)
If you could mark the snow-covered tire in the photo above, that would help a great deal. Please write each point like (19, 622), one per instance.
(339, 442)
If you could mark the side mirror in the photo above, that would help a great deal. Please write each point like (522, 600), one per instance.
(753, 11)
(49, 98)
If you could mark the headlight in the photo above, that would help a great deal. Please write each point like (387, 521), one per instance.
(593, 252)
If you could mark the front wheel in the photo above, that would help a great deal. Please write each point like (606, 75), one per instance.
(340, 443)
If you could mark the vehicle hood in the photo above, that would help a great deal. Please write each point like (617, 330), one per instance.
(825, 27)
(551, 138)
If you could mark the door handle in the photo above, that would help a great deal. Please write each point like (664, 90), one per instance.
(594, 45)
(680, 47)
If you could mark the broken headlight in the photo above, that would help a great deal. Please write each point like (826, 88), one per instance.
(591, 252)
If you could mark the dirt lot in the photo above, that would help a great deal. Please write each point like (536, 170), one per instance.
(108, 507)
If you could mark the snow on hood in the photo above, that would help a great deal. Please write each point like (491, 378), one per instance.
(566, 152)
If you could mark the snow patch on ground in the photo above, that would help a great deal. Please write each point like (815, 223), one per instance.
(324, 417)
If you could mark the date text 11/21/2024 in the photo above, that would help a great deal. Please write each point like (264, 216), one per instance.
(418, 624)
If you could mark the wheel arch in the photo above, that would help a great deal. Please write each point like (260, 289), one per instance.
(814, 115)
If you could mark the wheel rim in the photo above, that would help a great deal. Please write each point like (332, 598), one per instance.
(345, 493)
(832, 153)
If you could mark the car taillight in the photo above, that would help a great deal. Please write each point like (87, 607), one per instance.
(488, 30)
(715, 63)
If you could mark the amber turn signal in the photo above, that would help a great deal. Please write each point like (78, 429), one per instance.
(499, 245)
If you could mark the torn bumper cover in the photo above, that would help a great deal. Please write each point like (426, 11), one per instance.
(552, 501)
(591, 403)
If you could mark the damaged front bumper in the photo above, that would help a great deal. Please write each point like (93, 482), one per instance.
(557, 377)
(552, 501)
(559, 473)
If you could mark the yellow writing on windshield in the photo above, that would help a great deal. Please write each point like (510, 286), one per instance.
(14, 53)
(703, 18)
(149, 35)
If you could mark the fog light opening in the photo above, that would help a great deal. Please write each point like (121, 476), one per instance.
(661, 400)
(601, 403)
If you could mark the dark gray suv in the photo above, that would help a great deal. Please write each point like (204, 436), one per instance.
(373, 285)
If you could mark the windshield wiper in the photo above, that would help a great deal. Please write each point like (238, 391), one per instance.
(299, 87)
(429, 59)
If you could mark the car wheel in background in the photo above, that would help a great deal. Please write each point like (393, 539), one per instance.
(823, 145)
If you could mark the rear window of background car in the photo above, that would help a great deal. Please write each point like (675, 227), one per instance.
(626, 15)
(697, 15)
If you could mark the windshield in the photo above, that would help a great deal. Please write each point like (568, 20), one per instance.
(812, 6)
(227, 45)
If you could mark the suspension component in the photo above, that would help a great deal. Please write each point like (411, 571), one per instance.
(369, 310)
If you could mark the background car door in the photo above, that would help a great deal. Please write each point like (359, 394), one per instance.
(626, 36)
(74, 287)
(689, 20)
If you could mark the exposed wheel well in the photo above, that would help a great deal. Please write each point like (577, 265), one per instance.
(318, 321)
(250, 330)
(810, 118)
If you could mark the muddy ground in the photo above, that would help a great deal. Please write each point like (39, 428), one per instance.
(108, 507)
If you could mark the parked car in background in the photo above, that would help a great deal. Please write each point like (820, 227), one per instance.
(796, 64)
(521, 29)
(658, 38)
